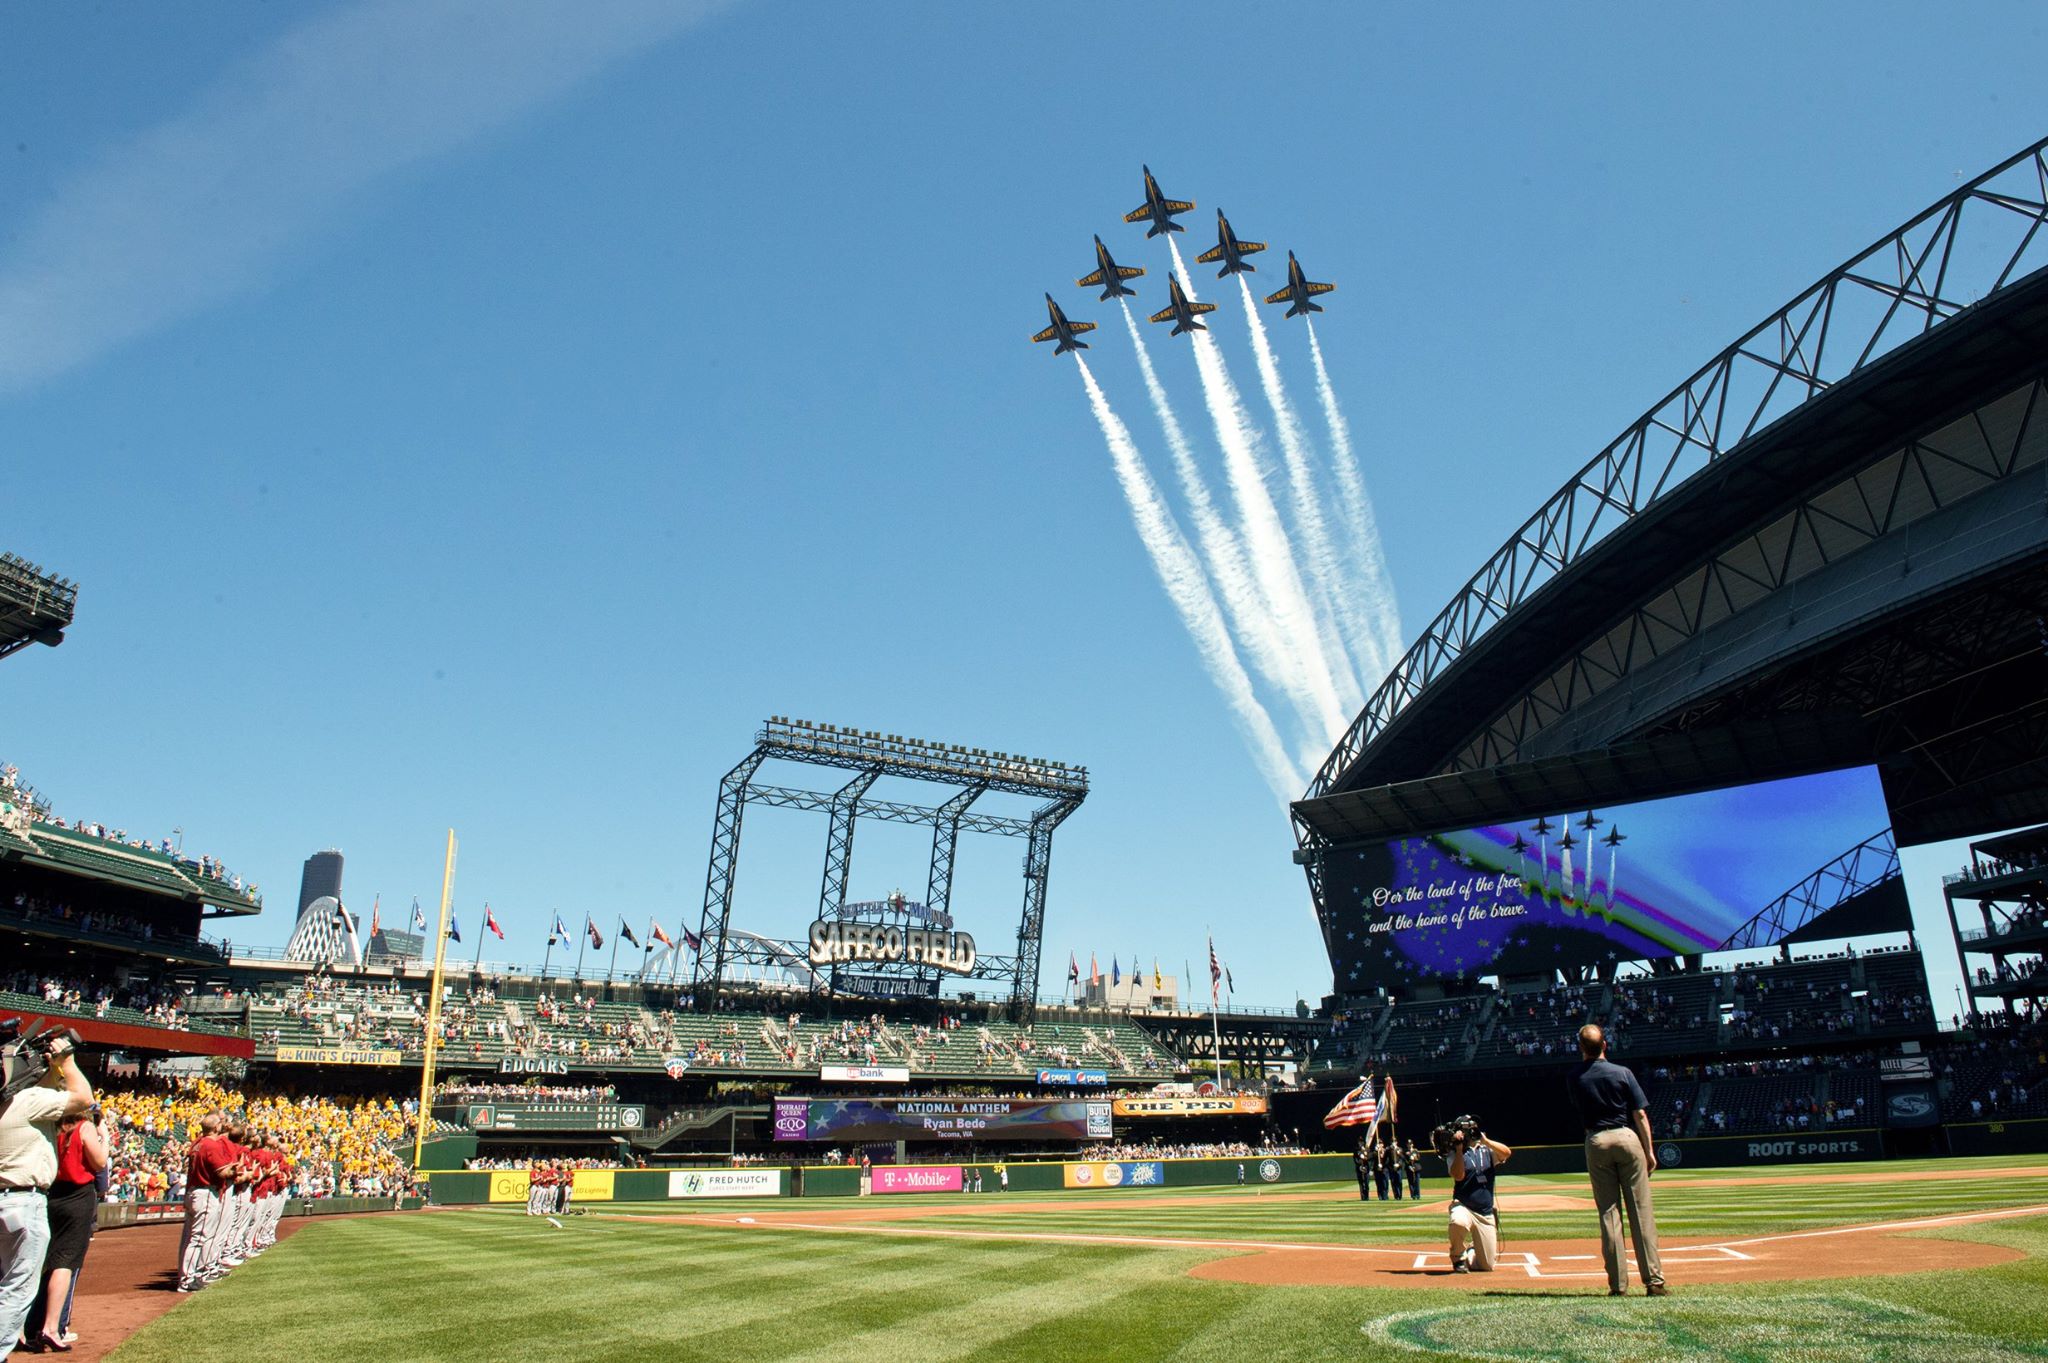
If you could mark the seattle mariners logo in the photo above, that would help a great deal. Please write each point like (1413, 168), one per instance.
(1269, 1170)
(1836, 1328)
(1670, 1154)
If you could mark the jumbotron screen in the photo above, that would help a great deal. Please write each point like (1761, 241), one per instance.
(1630, 882)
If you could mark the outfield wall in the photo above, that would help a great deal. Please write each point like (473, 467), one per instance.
(470, 1187)
(2025, 1136)
(114, 1214)
(1777, 1149)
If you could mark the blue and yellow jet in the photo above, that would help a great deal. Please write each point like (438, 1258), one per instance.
(1180, 310)
(1062, 330)
(1229, 250)
(1158, 209)
(1299, 290)
(1109, 275)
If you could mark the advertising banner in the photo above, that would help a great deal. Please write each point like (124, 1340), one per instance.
(1121, 1174)
(592, 1185)
(509, 1185)
(1073, 1079)
(725, 1183)
(792, 1119)
(335, 1055)
(865, 1074)
(1239, 1105)
(917, 1178)
(853, 1120)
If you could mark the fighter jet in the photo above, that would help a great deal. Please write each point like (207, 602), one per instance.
(1180, 310)
(1063, 330)
(1158, 209)
(1298, 290)
(1229, 250)
(1109, 275)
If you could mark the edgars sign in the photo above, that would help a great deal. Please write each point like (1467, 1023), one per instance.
(834, 942)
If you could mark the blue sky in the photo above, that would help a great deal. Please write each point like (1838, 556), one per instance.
(478, 417)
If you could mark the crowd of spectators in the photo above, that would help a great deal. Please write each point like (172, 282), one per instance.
(471, 1092)
(21, 803)
(160, 1005)
(339, 1147)
(35, 909)
(1130, 1150)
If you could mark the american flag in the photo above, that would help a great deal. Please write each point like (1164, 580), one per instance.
(1215, 971)
(1355, 1108)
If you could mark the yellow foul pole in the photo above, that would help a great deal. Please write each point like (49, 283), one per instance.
(433, 1037)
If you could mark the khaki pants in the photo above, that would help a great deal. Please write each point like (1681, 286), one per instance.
(1621, 1178)
(1482, 1231)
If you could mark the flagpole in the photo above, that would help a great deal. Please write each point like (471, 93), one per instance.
(647, 949)
(612, 968)
(1215, 1026)
(548, 955)
(478, 964)
(582, 941)
(433, 1036)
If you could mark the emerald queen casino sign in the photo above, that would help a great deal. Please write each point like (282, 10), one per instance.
(1630, 882)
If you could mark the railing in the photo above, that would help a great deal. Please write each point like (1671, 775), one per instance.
(1938, 265)
(1977, 875)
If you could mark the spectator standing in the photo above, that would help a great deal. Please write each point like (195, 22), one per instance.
(73, 1201)
(1620, 1157)
(28, 1165)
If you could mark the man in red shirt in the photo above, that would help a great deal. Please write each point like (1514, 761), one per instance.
(235, 1197)
(207, 1169)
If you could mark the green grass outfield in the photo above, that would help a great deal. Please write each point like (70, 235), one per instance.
(492, 1284)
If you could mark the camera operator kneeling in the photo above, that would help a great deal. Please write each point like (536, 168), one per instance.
(1473, 1156)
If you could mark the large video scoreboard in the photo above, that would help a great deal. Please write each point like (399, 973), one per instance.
(1630, 882)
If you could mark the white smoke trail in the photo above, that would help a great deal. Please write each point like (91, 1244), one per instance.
(1345, 630)
(1220, 547)
(1186, 586)
(1364, 535)
(1312, 687)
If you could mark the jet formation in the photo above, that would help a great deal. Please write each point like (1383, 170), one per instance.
(1159, 212)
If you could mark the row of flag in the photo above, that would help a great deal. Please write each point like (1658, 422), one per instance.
(1219, 974)
(558, 934)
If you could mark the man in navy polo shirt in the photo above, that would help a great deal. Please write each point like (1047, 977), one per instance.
(1620, 1157)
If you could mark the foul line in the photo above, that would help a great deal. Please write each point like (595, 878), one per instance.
(1921, 1223)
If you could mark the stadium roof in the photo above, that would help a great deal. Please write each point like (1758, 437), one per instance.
(35, 606)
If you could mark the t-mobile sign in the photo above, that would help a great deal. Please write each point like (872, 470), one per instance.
(917, 1178)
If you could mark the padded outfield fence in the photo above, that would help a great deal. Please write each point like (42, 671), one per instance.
(461, 1187)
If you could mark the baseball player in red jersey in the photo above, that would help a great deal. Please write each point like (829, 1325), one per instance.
(280, 1187)
(206, 1178)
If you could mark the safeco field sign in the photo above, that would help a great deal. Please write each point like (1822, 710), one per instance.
(725, 1183)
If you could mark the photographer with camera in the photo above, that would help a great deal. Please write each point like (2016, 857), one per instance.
(43, 1086)
(1472, 1157)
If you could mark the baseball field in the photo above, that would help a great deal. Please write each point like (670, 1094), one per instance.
(1925, 1260)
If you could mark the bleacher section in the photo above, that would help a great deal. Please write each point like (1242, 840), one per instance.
(589, 1033)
